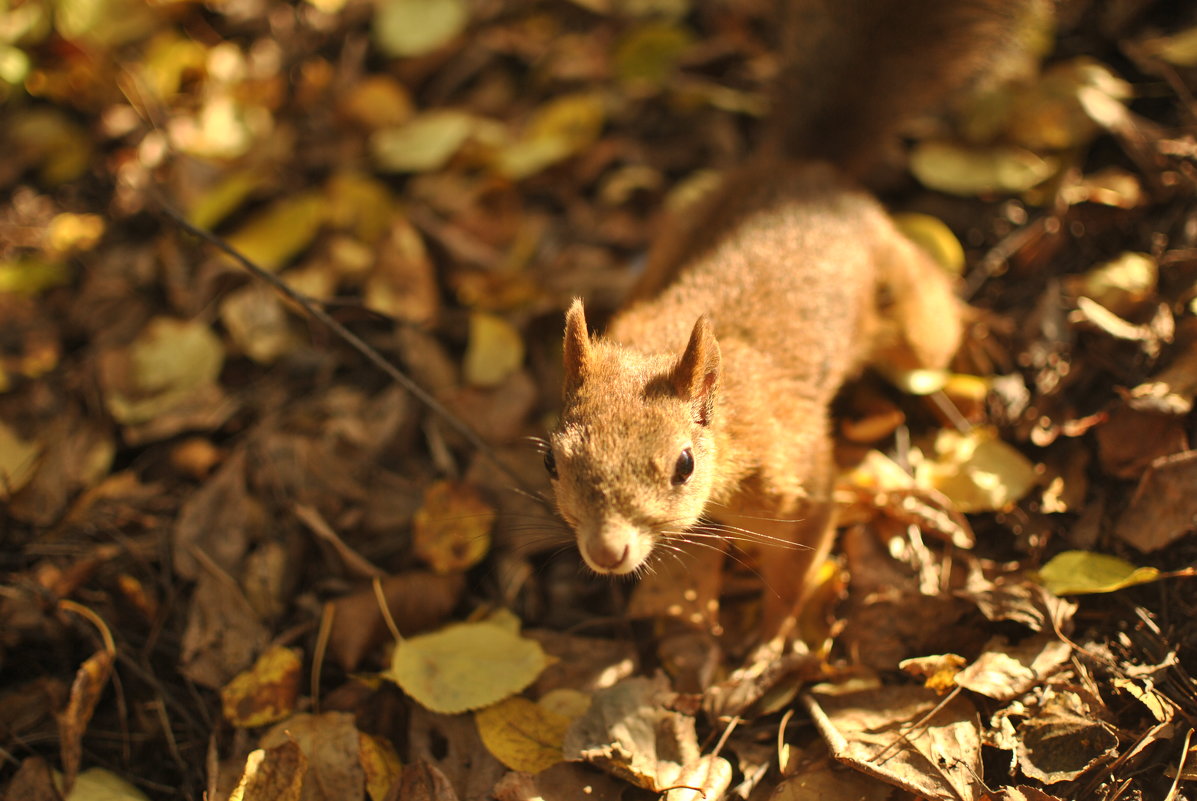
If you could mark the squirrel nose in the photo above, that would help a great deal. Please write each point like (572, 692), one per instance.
(606, 555)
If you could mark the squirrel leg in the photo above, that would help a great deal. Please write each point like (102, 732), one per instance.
(796, 535)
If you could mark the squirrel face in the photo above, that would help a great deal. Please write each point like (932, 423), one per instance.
(634, 457)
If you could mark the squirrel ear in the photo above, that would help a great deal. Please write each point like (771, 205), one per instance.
(576, 348)
(697, 372)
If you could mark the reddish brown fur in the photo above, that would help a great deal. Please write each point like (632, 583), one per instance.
(784, 269)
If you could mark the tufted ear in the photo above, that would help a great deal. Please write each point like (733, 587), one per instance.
(576, 348)
(697, 373)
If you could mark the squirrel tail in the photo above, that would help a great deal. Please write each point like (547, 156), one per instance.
(853, 71)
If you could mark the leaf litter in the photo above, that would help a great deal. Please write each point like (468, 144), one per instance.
(312, 586)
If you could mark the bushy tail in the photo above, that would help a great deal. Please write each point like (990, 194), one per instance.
(853, 71)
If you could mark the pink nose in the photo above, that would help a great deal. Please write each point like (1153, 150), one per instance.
(608, 556)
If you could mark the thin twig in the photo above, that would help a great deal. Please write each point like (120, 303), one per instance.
(311, 308)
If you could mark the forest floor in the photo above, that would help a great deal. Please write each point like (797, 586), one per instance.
(218, 517)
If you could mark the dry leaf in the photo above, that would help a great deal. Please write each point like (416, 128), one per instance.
(630, 733)
(903, 735)
(465, 666)
(1004, 671)
(273, 774)
(330, 742)
(98, 784)
(933, 236)
(1164, 506)
(495, 350)
(265, 693)
(280, 232)
(1063, 740)
(451, 529)
(558, 130)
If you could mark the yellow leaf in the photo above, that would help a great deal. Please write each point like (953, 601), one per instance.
(523, 735)
(275, 773)
(1121, 283)
(414, 27)
(558, 130)
(465, 666)
(1179, 48)
(648, 55)
(977, 471)
(30, 275)
(960, 170)
(495, 350)
(286, 227)
(220, 200)
(424, 144)
(98, 784)
(266, 692)
(17, 461)
(933, 236)
(1085, 572)
(451, 530)
(381, 765)
(161, 369)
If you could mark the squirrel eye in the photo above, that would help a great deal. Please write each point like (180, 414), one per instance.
(684, 467)
(550, 464)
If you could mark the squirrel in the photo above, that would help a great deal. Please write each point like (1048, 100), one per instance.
(707, 398)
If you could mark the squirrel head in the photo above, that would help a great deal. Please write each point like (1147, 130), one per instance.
(633, 458)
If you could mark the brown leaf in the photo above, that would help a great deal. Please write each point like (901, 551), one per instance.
(903, 735)
(273, 774)
(630, 733)
(265, 693)
(451, 530)
(330, 744)
(422, 781)
(1164, 506)
(1004, 671)
(450, 746)
(219, 519)
(1063, 740)
(223, 632)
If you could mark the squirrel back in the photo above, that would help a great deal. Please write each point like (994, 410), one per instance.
(853, 72)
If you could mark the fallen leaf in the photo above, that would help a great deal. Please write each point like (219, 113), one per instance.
(1004, 671)
(977, 471)
(380, 764)
(903, 735)
(330, 744)
(1084, 572)
(424, 782)
(709, 776)
(272, 774)
(404, 28)
(1164, 506)
(559, 129)
(169, 363)
(423, 144)
(98, 784)
(465, 666)
(960, 170)
(267, 692)
(18, 459)
(647, 56)
(1121, 284)
(278, 233)
(523, 734)
(451, 529)
(1063, 740)
(495, 350)
(562, 781)
(630, 733)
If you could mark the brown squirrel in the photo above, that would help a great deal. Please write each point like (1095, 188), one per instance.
(796, 278)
